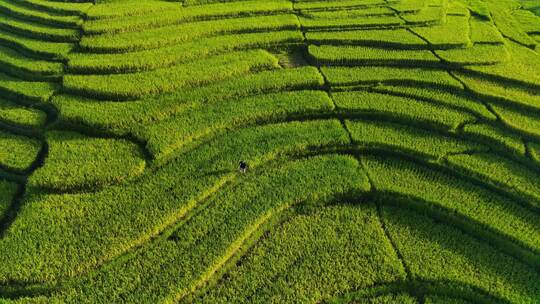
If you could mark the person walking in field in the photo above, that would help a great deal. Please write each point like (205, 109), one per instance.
(243, 167)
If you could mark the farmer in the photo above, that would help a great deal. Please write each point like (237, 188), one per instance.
(243, 166)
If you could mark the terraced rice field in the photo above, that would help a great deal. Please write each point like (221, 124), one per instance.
(393, 150)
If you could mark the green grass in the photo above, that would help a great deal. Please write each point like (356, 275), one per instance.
(37, 31)
(408, 140)
(481, 207)
(413, 6)
(35, 15)
(61, 8)
(173, 134)
(26, 90)
(447, 300)
(77, 162)
(485, 54)
(214, 235)
(308, 247)
(17, 153)
(504, 173)
(485, 32)
(7, 193)
(68, 248)
(439, 252)
(172, 35)
(16, 115)
(116, 9)
(453, 33)
(513, 95)
(431, 15)
(395, 38)
(498, 138)
(350, 13)
(139, 85)
(478, 8)
(349, 76)
(391, 298)
(338, 55)
(457, 9)
(535, 151)
(27, 68)
(528, 20)
(521, 68)
(173, 55)
(393, 151)
(531, 5)
(48, 50)
(352, 22)
(519, 120)
(120, 117)
(395, 108)
(305, 5)
(509, 26)
(178, 14)
(457, 100)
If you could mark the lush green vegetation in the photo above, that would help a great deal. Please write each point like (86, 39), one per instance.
(164, 36)
(120, 117)
(19, 116)
(348, 55)
(26, 68)
(482, 208)
(177, 14)
(502, 172)
(138, 85)
(17, 152)
(411, 140)
(435, 251)
(399, 108)
(392, 150)
(84, 63)
(7, 192)
(397, 38)
(167, 136)
(100, 162)
(308, 247)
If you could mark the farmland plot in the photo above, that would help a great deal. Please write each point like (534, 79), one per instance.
(393, 151)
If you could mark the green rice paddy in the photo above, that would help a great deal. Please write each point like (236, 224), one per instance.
(393, 151)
